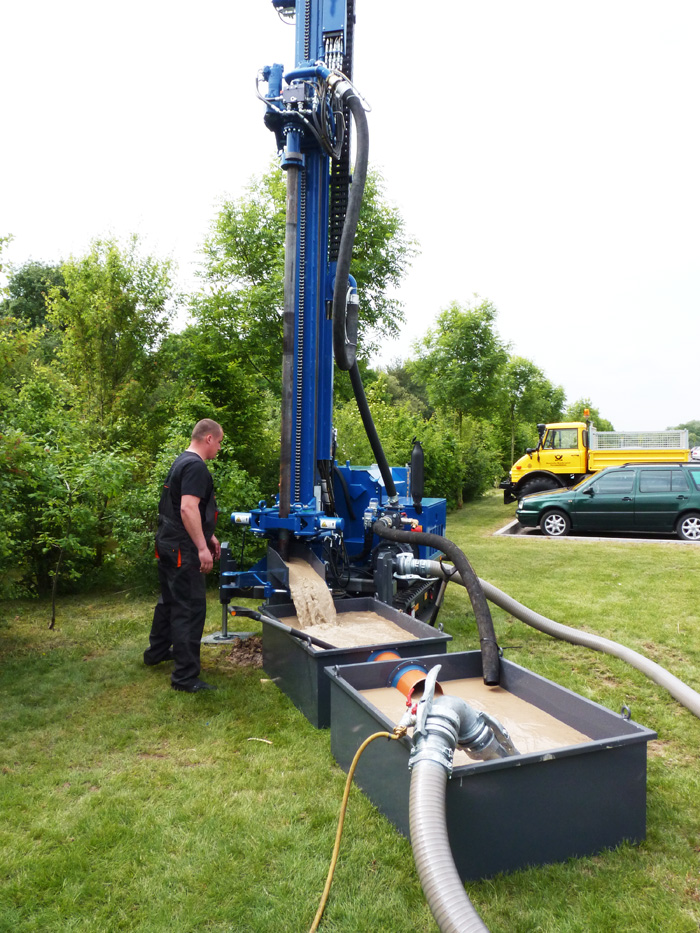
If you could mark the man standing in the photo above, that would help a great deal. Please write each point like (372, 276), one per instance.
(186, 549)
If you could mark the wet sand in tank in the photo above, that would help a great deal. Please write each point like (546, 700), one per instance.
(354, 629)
(530, 728)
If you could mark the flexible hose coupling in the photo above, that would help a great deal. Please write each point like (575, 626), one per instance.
(405, 563)
(339, 84)
(438, 741)
(444, 723)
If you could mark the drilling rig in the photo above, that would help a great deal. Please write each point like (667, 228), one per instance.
(327, 512)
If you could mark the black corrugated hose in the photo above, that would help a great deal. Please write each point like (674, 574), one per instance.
(344, 323)
(490, 661)
(344, 349)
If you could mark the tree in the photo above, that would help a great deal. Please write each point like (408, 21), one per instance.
(456, 467)
(113, 309)
(405, 388)
(28, 288)
(528, 396)
(693, 429)
(4, 241)
(460, 359)
(242, 295)
(576, 411)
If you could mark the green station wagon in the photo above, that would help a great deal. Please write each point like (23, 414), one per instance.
(635, 497)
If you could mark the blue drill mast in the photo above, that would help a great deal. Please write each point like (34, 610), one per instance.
(323, 507)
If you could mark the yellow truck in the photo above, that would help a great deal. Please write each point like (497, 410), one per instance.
(570, 451)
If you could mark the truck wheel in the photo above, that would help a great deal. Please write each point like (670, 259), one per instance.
(555, 524)
(539, 484)
(688, 527)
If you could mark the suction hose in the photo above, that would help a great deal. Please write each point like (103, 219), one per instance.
(441, 724)
(490, 661)
(678, 690)
(443, 889)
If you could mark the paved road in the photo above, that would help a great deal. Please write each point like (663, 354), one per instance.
(515, 530)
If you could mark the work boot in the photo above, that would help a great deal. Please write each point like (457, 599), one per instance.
(195, 687)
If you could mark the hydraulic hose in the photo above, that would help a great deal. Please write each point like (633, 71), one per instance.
(443, 889)
(346, 493)
(344, 343)
(490, 661)
(345, 322)
(371, 432)
(680, 691)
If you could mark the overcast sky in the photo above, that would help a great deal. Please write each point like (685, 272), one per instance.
(545, 154)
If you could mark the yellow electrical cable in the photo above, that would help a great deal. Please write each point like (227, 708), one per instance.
(397, 734)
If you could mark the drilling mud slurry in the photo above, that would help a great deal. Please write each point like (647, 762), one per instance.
(316, 614)
(311, 597)
(530, 728)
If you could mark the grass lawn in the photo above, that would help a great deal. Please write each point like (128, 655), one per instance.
(128, 806)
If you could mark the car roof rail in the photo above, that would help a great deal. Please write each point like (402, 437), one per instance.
(656, 463)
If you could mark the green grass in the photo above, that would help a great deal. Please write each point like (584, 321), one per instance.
(127, 806)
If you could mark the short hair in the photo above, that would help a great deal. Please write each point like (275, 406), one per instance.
(204, 427)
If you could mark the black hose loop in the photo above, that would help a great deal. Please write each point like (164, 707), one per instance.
(344, 326)
(490, 661)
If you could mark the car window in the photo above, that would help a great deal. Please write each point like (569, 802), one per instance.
(614, 484)
(562, 439)
(679, 481)
(655, 481)
(696, 477)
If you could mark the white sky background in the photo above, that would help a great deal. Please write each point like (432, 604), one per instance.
(546, 155)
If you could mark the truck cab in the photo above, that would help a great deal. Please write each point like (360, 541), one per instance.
(560, 459)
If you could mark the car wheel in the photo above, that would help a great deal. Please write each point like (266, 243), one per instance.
(539, 484)
(688, 527)
(555, 524)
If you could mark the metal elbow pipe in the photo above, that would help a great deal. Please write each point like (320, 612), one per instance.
(454, 723)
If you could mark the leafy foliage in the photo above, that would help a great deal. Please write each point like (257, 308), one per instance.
(28, 289)
(576, 411)
(113, 310)
(460, 358)
(693, 429)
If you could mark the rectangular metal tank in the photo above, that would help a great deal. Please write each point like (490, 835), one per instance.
(298, 668)
(531, 809)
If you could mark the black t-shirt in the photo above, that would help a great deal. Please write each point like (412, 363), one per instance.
(189, 476)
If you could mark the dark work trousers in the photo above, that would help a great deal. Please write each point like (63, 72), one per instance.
(178, 619)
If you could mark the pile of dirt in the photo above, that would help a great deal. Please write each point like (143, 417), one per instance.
(245, 652)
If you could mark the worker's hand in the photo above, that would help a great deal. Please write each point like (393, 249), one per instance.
(206, 561)
(214, 547)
